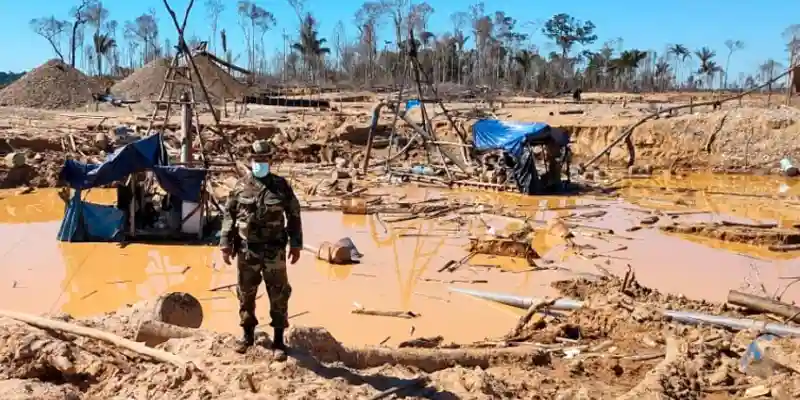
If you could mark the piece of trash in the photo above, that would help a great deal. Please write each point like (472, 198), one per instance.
(758, 360)
(788, 168)
(571, 352)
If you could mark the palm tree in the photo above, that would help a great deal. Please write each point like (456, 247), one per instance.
(681, 54)
(732, 45)
(662, 73)
(103, 44)
(627, 63)
(524, 59)
(708, 67)
(310, 46)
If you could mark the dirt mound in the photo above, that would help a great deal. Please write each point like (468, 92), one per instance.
(53, 85)
(219, 83)
(146, 82)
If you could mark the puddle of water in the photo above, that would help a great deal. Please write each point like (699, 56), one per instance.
(737, 195)
(399, 271)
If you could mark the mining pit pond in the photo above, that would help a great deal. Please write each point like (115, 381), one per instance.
(400, 268)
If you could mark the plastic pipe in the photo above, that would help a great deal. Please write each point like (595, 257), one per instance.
(686, 317)
(519, 301)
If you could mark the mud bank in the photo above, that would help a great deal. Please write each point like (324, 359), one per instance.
(726, 140)
(617, 347)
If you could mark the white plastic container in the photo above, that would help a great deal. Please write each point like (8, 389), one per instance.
(194, 223)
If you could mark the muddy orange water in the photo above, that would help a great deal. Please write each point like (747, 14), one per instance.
(399, 270)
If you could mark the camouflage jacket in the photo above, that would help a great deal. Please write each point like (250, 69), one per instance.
(254, 214)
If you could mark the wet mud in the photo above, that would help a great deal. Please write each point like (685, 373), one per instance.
(584, 245)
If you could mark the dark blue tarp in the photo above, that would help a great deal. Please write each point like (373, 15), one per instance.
(142, 155)
(84, 222)
(492, 134)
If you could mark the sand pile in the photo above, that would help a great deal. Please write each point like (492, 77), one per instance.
(146, 82)
(53, 85)
(218, 82)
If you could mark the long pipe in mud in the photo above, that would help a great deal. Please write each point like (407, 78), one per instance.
(687, 317)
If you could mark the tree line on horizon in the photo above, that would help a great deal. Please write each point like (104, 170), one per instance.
(481, 48)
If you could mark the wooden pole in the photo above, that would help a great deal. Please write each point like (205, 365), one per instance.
(791, 73)
(764, 305)
(186, 129)
(376, 115)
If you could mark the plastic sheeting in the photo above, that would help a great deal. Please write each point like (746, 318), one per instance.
(89, 222)
(142, 155)
(510, 136)
(525, 174)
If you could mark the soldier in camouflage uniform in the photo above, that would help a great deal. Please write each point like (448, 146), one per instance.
(255, 232)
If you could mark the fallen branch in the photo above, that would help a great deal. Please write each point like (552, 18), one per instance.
(767, 225)
(138, 348)
(380, 313)
(523, 320)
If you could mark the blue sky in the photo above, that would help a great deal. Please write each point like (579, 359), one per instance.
(643, 25)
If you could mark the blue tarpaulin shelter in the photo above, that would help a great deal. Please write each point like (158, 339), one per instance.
(84, 221)
(510, 136)
(513, 138)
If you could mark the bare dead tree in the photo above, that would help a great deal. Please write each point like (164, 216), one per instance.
(79, 16)
(733, 46)
(213, 10)
(51, 29)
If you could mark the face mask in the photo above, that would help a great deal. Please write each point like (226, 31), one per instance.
(260, 169)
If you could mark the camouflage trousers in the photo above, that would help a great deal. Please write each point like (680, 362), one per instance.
(269, 267)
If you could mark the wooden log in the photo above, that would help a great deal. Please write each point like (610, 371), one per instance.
(138, 348)
(431, 360)
(764, 305)
(784, 247)
(153, 333)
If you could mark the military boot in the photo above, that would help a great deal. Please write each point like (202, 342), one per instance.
(278, 346)
(247, 340)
